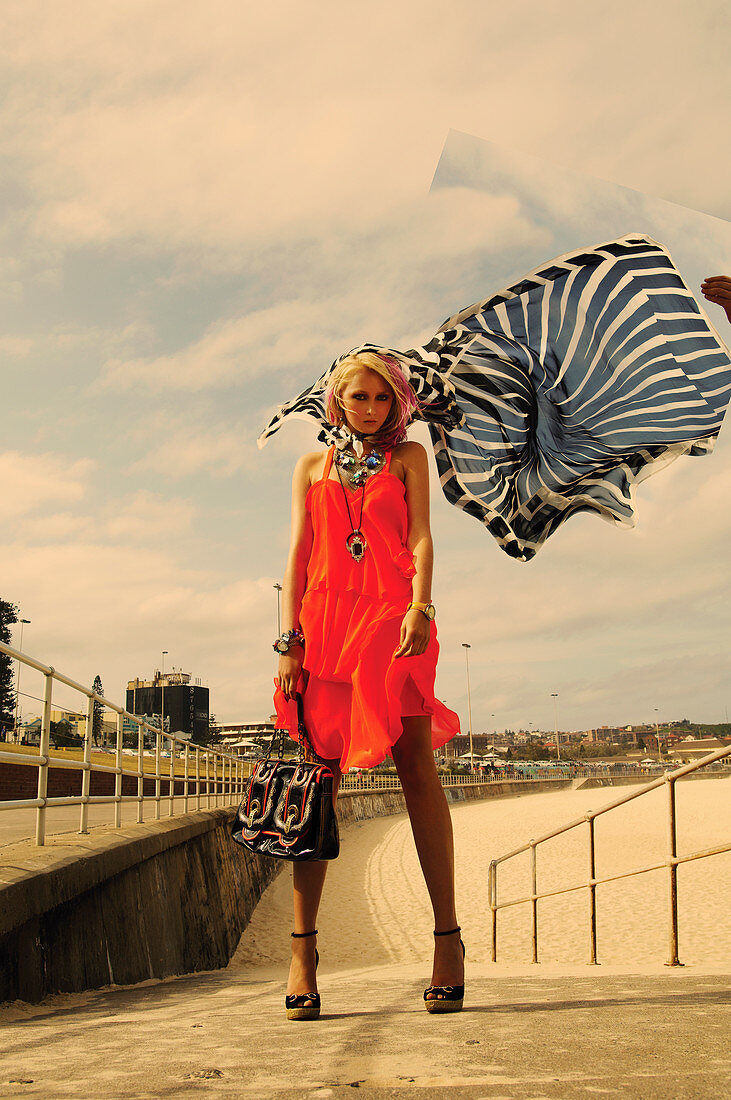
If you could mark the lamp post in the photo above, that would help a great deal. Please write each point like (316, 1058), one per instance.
(554, 696)
(494, 731)
(467, 647)
(657, 736)
(23, 622)
(162, 691)
(279, 613)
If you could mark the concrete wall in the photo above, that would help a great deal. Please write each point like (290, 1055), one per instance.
(148, 901)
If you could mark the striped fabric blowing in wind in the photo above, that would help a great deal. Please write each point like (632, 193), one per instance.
(562, 392)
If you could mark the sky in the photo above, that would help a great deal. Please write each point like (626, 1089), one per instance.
(202, 205)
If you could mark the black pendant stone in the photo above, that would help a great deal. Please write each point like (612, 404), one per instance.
(356, 545)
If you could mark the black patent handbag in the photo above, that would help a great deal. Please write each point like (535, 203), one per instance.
(287, 811)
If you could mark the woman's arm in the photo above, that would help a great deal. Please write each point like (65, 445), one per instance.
(295, 576)
(416, 628)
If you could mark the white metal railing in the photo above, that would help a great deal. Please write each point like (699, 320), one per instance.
(670, 863)
(209, 777)
(374, 780)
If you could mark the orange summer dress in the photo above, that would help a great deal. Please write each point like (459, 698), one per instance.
(356, 691)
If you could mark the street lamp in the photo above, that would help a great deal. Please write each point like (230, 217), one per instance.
(279, 614)
(554, 696)
(467, 647)
(657, 735)
(494, 731)
(23, 622)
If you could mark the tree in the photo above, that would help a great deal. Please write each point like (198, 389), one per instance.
(209, 736)
(63, 735)
(8, 616)
(97, 726)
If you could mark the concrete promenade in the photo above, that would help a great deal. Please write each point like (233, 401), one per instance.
(221, 1034)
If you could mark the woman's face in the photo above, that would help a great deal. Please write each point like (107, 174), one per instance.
(366, 401)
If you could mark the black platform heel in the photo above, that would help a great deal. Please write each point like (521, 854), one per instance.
(295, 1002)
(447, 998)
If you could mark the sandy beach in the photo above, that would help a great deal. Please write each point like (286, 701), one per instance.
(375, 910)
(557, 1031)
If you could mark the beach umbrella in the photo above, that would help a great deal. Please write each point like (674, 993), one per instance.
(560, 393)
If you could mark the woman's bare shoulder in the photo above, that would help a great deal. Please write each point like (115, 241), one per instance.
(309, 466)
(411, 455)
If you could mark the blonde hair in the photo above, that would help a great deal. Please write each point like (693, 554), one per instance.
(387, 367)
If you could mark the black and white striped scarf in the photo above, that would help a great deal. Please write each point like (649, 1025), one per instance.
(560, 393)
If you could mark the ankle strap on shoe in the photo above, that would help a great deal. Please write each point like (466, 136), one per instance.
(449, 932)
(302, 935)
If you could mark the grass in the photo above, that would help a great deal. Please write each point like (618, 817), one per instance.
(129, 763)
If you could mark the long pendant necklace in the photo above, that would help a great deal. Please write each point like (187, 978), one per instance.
(355, 541)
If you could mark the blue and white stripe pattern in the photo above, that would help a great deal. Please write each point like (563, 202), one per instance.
(562, 392)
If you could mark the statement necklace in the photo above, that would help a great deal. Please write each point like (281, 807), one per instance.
(356, 465)
(357, 470)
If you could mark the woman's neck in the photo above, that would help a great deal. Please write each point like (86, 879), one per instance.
(365, 442)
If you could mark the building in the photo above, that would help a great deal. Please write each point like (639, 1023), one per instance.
(481, 743)
(241, 735)
(695, 748)
(617, 735)
(186, 704)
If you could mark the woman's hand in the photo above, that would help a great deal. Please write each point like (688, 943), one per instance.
(717, 289)
(290, 667)
(415, 634)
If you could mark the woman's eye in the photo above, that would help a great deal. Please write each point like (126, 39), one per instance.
(383, 397)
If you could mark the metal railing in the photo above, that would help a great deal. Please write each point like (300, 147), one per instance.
(670, 863)
(207, 778)
(374, 780)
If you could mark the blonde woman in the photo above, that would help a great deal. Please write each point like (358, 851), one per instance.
(360, 640)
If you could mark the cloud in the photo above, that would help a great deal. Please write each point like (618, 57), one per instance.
(387, 272)
(236, 350)
(111, 609)
(184, 451)
(15, 347)
(134, 519)
(42, 480)
(226, 131)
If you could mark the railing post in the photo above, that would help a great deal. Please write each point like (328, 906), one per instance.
(208, 779)
(673, 876)
(534, 901)
(592, 888)
(44, 750)
(171, 780)
(118, 776)
(140, 772)
(86, 773)
(492, 896)
(186, 775)
(198, 777)
(158, 784)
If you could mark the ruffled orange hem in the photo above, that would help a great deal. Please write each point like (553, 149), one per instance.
(358, 720)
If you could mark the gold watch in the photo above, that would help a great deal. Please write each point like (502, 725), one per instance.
(427, 609)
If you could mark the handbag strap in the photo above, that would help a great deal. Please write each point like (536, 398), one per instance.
(304, 737)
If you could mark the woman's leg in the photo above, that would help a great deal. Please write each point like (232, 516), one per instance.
(308, 880)
(431, 825)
